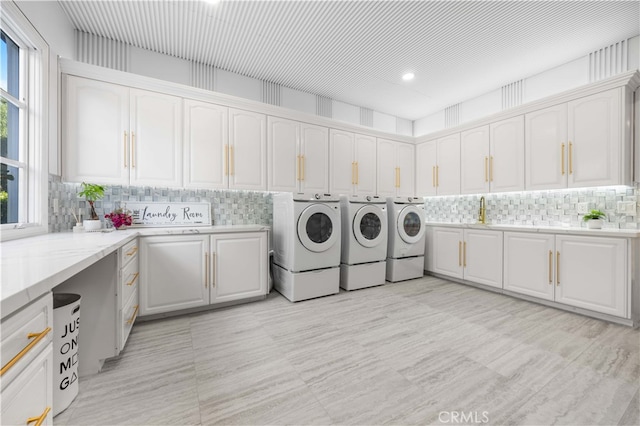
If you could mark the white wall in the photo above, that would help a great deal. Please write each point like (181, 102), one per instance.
(568, 76)
(345, 112)
(384, 122)
(52, 24)
(157, 65)
(297, 100)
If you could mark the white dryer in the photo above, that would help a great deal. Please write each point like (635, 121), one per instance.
(306, 245)
(405, 251)
(364, 241)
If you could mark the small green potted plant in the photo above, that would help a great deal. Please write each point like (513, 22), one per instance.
(594, 219)
(92, 193)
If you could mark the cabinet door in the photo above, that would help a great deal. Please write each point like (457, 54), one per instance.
(387, 175)
(506, 161)
(545, 147)
(406, 170)
(239, 266)
(283, 139)
(156, 139)
(30, 393)
(592, 273)
(474, 161)
(482, 257)
(448, 167)
(529, 264)
(342, 162)
(247, 150)
(173, 273)
(365, 157)
(314, 151)
(595, 140)
(205, 135)
(95, 132)
(426, 161)
(447, 251)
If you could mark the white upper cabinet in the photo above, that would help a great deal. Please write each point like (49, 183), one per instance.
(506, 155)
(298, 156)
(247, 151)
(117, 135)
(205, 136)
(577, 144)
(438, 166)
(595, 143)
(474, 160)
(156, 139)
(546, 148)
(95, 132)
(426, 161)
(395, 171)
(352, 163)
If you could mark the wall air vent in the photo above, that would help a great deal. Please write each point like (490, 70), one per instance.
(101, 51)
(609, 61)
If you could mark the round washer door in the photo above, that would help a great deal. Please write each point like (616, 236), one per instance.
(410, 226)
(368, 224)
(316, 228)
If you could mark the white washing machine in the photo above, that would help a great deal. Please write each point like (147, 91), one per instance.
(364, 241)
(405, 251)
(306, 245)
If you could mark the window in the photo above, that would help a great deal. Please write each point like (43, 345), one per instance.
(23, 124)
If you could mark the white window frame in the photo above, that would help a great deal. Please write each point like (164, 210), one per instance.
(34, 55)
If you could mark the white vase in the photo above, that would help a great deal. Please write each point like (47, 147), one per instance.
(92, 225)
(594, 223)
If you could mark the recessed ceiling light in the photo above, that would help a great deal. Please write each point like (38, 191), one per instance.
(408, 76)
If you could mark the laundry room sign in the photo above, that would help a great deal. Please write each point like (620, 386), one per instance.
(170, 214)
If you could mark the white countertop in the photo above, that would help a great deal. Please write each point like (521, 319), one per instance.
(30, 267)
(606, 232)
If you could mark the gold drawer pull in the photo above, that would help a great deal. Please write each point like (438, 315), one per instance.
(459, 253)
(557, 268)
(133, 317)
(550, 262)
(135, 277)
(39, 420)
(36, 338)
(132, 251)
(464, 254)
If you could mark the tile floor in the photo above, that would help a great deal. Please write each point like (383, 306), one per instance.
(415, 352)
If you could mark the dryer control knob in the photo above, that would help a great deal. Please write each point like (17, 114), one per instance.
(317, 196)
(410, 199)
(368, 197)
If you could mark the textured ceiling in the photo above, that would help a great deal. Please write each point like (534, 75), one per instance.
(356, 51)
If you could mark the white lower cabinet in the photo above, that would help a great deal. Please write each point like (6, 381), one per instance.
(582, 271)
(182, 272)
(27, 364)
(470, 254)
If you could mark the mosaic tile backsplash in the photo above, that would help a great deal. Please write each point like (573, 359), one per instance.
(228, 207)
(557, 208)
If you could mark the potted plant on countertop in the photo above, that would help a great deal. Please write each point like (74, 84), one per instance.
(594, 219)
(92, 193)
(120, 218)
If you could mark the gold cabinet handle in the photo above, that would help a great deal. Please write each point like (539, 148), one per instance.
(226, 160)
(124, 148)
(298, 170)
(433, 176)
(213, 278)
(550, 268)
(491, 169)
(206, 270)
(562, 158)
(133, 150)
(397, 177)
(557, 268)
(132, 251)
(302, 159)
(459, 253)
(486, 167)
(437, 176)
(36, 338)
(464, 254)
(570, 158)
(135, 277)
(232, 161)
(40, 419)
(135, 314)
(353, 173)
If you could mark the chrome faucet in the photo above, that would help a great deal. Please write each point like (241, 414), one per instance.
(482, 217)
